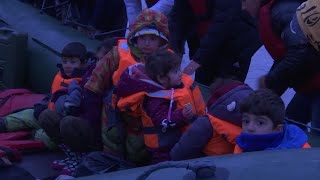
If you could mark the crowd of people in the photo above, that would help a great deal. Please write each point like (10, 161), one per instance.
(133, 104)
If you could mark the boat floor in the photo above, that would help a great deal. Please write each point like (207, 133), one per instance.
(39, 164)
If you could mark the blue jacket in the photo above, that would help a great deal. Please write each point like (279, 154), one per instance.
(291, 137)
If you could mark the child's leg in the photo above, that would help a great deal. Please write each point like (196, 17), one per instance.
(20, 121)
(78, 135)
(42, 136)
(193, 140)
(49, 121)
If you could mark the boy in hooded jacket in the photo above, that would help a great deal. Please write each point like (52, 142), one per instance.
(263, 126)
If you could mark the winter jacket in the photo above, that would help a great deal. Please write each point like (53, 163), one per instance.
(232, 37)
(215, 133)
(154, 109)
(291, 137)
(301, 61)
(66, 89)
(100, 84)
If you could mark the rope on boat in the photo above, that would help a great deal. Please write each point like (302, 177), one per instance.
(108, 32)
(201, 169)
(47, 47)
(302, 124)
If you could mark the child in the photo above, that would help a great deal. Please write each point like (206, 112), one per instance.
(71, 70)
(162, 94)
(105, 46)
(60, 121)
(148, 33)
(263, 126)
(215, 133)
(102, 50)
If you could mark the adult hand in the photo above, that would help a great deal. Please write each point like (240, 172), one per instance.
(191, 67)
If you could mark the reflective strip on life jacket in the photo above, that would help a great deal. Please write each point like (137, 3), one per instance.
(272, 42)
(224, 136)
(125, 60)
(60, 83)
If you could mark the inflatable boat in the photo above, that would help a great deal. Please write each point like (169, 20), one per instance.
(43, 37)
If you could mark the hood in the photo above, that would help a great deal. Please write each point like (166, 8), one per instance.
(290, 138)
(147, 18)
(224, 102)
(135, 78)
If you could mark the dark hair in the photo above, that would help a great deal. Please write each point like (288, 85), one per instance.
(160, 63)
(264, 102)
(109, 43)
(75, 49)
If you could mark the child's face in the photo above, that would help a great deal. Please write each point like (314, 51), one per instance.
(69, 64)
(148, 43)
(175, 77)
(254, 124)
(172, 79)
(101, 53)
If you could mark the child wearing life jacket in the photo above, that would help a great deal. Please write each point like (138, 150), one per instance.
(60, 121)
(163, 97)
(263, 126)
(101, 51)
(148, 33)
(215, 133)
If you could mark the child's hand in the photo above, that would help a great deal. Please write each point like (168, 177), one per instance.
(74, 98)
(187, 111)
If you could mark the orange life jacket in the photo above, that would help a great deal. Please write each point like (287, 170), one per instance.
(60, 83)
(125, 58)
(190, 93)
(238, 150)
(224, 136)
